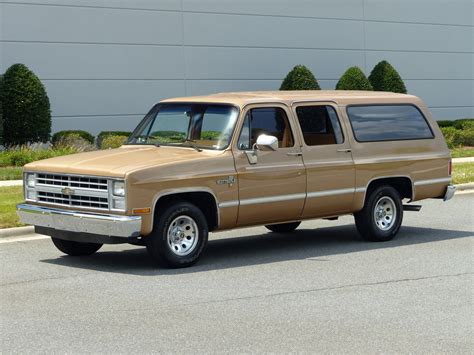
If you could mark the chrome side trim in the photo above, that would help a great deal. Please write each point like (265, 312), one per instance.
(279, 198)
(432, 181)
(398, 158)
(232, 203)
(291, 197)
(82, 222)
(330, 192)
(271, 167)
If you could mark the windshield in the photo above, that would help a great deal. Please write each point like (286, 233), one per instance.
(208, 126)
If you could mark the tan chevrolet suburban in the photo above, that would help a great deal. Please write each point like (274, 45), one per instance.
(211, 163)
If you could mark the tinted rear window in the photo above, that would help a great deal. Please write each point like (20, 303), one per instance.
(388, 123)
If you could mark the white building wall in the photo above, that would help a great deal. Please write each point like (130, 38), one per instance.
(105, 62)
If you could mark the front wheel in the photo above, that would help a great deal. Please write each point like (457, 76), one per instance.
(72, 248)
(179, 236)
(382, 215)
(283, 227)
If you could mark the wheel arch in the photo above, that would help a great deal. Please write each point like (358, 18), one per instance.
(402, 183)
(201, 197)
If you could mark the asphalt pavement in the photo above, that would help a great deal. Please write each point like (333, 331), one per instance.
(320, 289)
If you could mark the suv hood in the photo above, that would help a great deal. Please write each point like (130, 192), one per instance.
(118, 162)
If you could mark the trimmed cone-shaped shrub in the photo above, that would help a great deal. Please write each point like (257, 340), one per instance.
(1, 110)
(26, 110)
(300, 78)
(384, 77)
(354, 79)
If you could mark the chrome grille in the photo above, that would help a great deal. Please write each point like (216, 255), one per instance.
(79, 201)
(73, 191)
(72, 181)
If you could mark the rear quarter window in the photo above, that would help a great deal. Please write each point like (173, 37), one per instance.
(372, 123)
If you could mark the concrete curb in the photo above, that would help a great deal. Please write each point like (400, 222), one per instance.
(15, 232)
(465, 187)
(11, 183)
(463, 160)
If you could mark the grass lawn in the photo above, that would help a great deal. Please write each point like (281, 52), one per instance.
(463, 173)
(11, 173)
(9, 198)
(463, 152)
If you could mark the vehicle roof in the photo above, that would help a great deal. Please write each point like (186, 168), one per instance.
(339, 96)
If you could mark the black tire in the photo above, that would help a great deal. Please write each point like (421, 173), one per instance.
(75, 248)
(373, 229)
(283, 228)
(161, 248)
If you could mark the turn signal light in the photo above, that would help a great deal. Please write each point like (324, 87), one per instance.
(141, 210)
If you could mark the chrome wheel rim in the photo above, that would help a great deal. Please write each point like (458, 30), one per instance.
(385, 213)
(183, 235)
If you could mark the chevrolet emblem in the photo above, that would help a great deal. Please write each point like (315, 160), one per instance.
(67, 191)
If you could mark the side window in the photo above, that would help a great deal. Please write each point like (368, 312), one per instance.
(266, 120)
(320, 125)
(388, 123)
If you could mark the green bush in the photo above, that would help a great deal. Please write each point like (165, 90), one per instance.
(75, 141)
(210, 135)
(354, 79)
(1, 110)
(104, 134)
(300, 78)
(74, 133)
(452, 136)
(445, 123)
(465, 123)
(111, 142)
(466, 137)
(384, 77)
(25, 155)
(26, 110)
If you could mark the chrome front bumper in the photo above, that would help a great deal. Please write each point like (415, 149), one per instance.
(450, 190)
(80, 222)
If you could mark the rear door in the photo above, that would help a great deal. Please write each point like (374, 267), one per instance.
(328, 159)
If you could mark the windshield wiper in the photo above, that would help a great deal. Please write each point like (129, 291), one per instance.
(191, 144)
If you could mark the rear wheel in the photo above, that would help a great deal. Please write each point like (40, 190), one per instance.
(72, 248)
(382, 215)
(283, 228)
(179, 236)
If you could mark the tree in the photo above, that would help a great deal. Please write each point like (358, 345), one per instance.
(26, 109)
(384, 77)
(354, 79)
(300, 78)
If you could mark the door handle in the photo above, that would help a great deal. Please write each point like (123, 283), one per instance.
(295, 154)
(345, 150)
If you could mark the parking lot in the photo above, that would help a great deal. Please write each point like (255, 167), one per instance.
(320, 289)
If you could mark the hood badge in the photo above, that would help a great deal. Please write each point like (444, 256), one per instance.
(67, 191)
(229, 181)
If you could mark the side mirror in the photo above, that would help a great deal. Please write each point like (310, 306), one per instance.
(266, 142)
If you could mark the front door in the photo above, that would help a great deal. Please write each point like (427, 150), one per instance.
(328, 160)
(272, 188)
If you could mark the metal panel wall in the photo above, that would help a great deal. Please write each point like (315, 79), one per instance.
(105, 62)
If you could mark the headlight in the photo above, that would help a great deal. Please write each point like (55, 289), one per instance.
(118, 188)
(30, 180)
